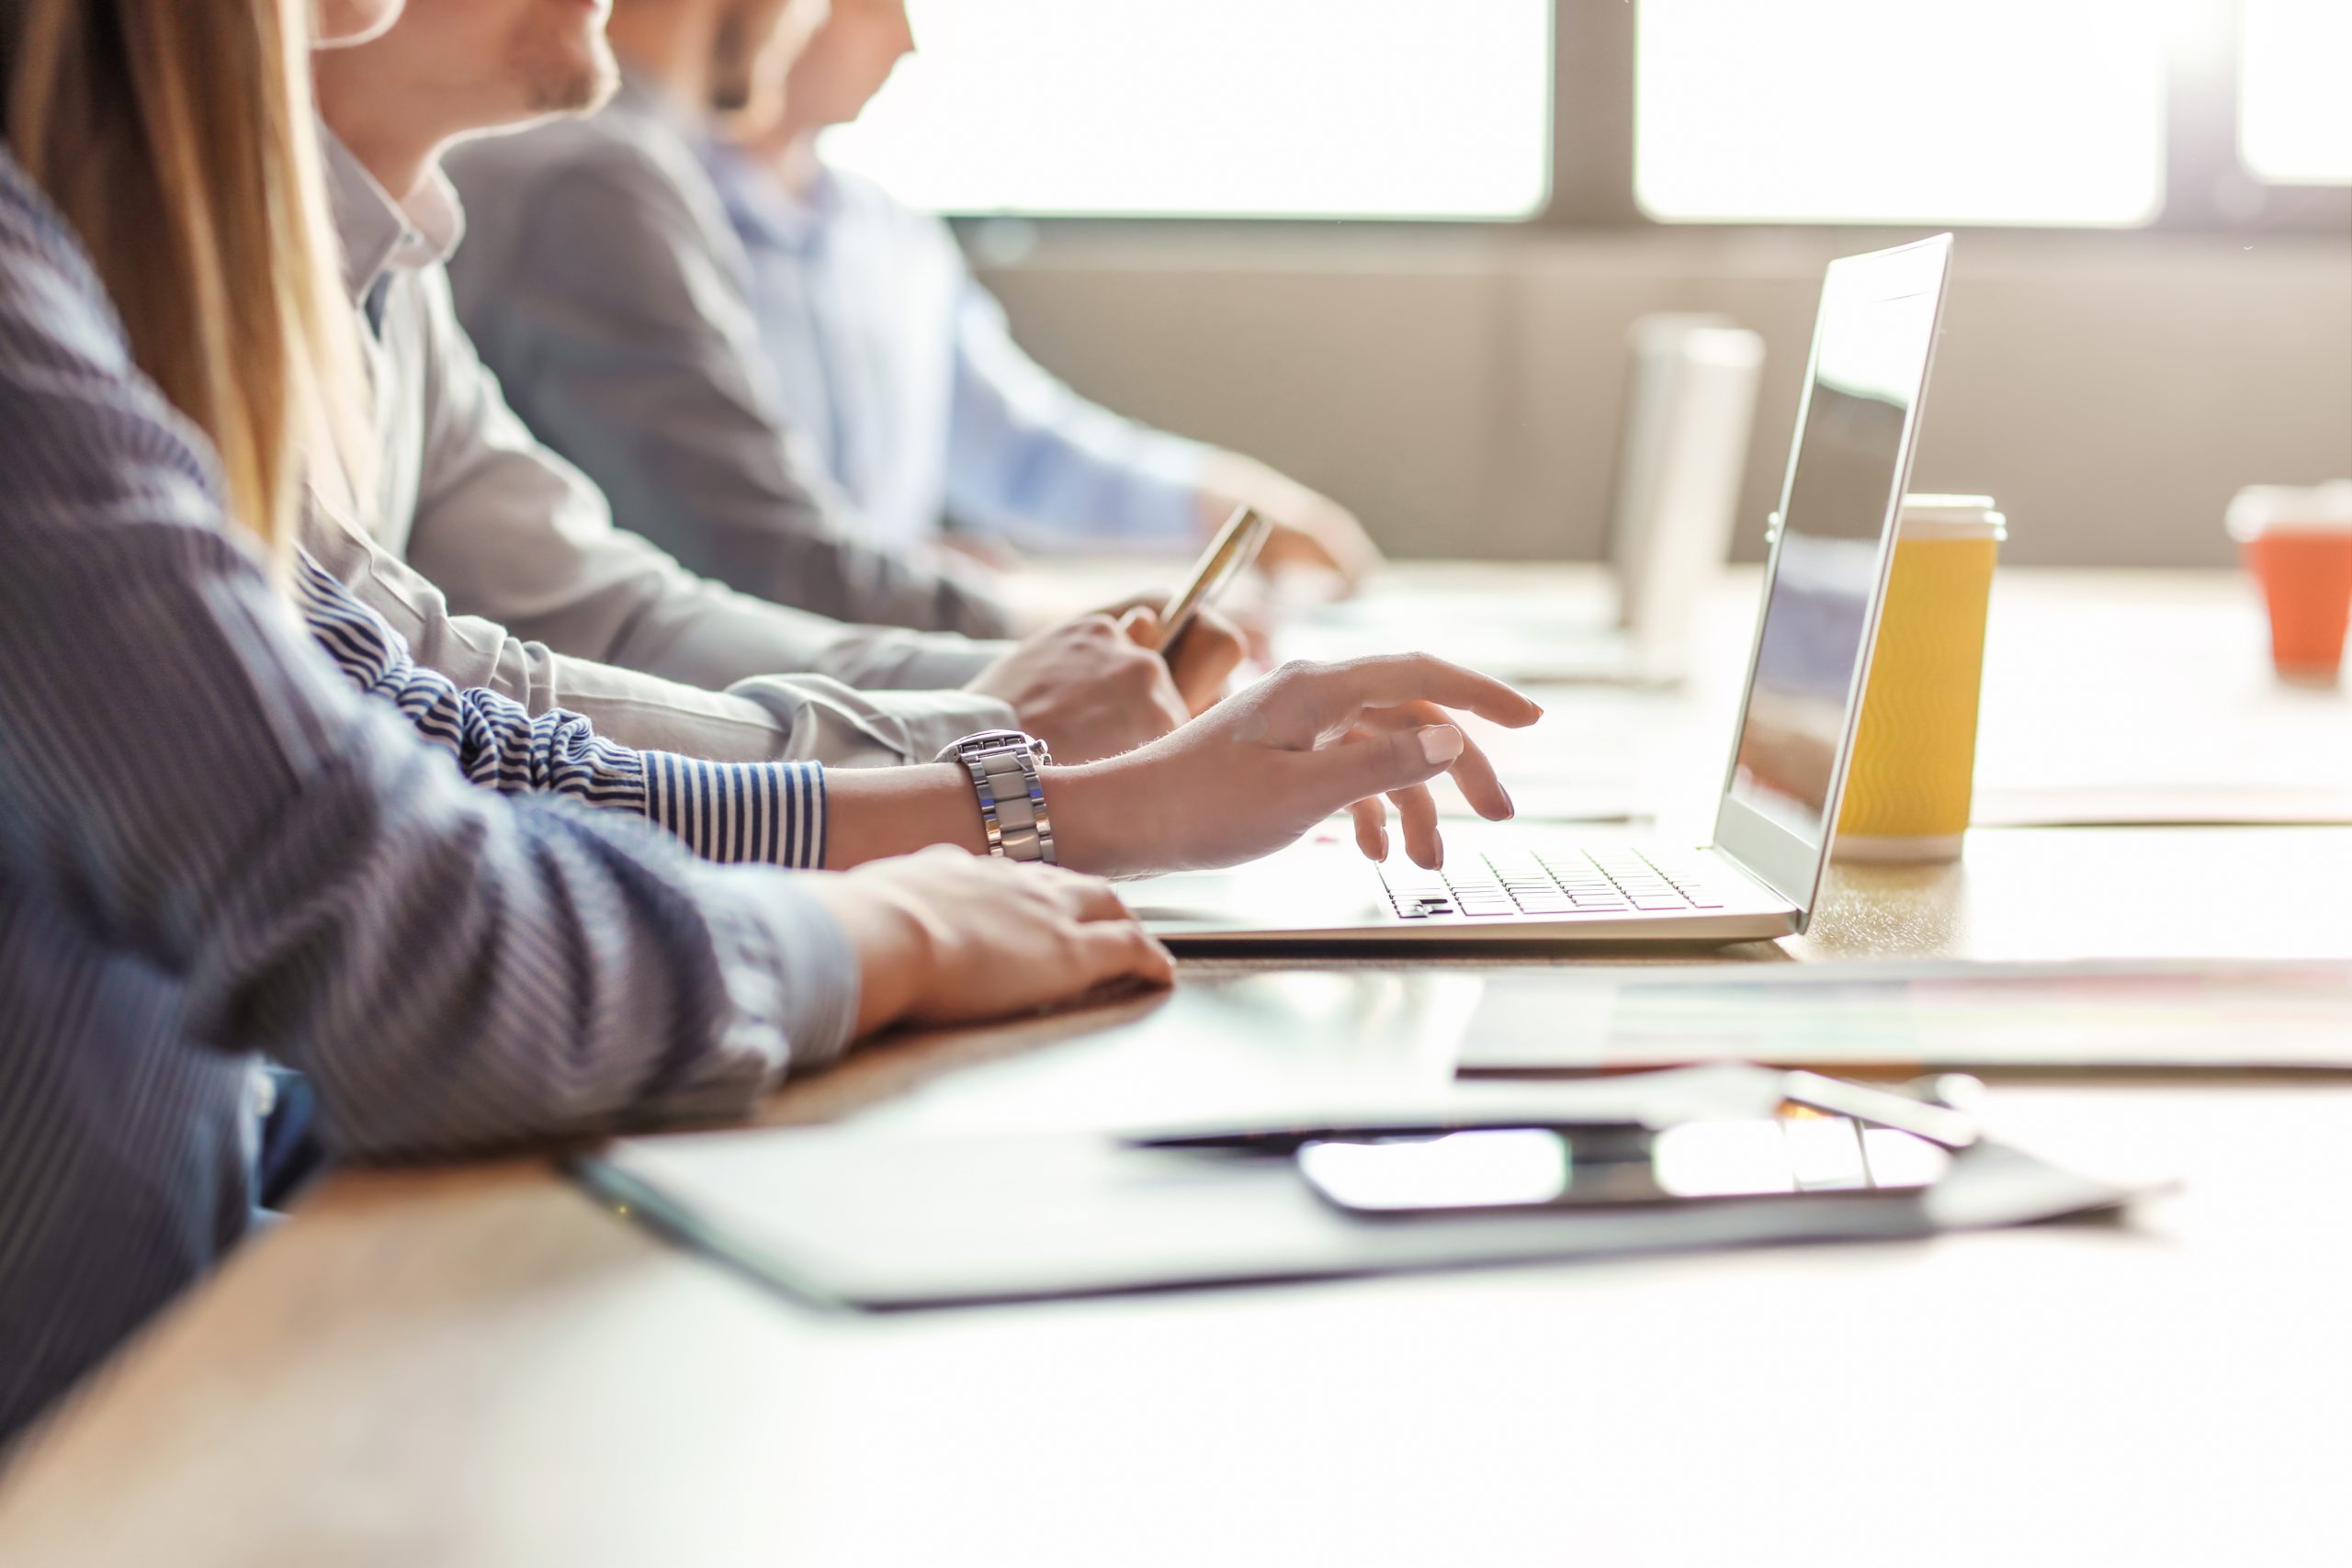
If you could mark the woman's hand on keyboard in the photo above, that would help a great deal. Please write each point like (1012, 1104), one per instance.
(1262, 768)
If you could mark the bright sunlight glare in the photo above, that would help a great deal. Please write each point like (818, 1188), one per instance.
(1919, 111)
(1224, 108)
(2295, 90)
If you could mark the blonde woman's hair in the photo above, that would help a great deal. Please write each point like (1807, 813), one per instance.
(177, 137)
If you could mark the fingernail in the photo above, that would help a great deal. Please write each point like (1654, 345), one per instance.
(1441, 743)
(1510, 806)
(1383, 841)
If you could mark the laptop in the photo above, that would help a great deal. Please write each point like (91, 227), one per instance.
(1690, 403)
(1824, 587)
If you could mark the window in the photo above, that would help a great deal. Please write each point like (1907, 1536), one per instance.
(1393, 108)
(1914, 111)
(1610, 113)
(2294, 98)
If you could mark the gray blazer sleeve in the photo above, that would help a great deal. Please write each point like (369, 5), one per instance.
(515, 534)
(614, 313)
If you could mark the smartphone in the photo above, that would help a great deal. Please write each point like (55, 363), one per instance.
(1229, 555)
(1546, 1167)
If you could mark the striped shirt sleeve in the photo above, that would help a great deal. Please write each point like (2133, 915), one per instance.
(211, 847)
(731, 813)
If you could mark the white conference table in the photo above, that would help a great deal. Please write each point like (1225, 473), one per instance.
(479, 1366)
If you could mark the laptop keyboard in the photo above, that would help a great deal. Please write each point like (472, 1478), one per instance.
(1556, 883)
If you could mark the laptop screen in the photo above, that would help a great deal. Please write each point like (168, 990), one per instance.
(1870, 354)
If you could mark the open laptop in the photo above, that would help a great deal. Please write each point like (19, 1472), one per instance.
(1690, 403)
(1849, 462)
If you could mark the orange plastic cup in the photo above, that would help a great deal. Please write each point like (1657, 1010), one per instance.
(2298, 546)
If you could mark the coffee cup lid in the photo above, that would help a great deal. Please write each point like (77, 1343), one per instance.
(1952, 517)
(2260, 509)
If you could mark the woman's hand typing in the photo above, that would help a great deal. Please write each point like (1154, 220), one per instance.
(1267, 765)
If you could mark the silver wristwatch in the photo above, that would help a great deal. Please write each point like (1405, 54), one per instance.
(1003, 764)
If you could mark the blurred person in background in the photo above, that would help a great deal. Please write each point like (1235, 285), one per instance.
(605, 283)
(901, 371)
(222, 839)
(604, 288)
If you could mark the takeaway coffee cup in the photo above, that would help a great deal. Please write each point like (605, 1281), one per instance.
(1910, 785)
(2298, 545)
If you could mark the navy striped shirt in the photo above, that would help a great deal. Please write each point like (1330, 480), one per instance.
(212, 846)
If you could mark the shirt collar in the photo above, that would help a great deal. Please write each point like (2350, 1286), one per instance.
(381, 235)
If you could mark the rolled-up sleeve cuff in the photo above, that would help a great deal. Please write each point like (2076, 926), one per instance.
(842, 728)
(740, 813)
(788, 967)
(932, 720)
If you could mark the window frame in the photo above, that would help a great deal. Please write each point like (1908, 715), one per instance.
(2206, 189)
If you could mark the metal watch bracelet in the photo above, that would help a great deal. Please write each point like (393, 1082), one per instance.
(1004, 765)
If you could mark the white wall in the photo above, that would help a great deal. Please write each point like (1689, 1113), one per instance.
(1459, 388)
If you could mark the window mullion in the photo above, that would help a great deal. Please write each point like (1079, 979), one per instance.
(1592, 115)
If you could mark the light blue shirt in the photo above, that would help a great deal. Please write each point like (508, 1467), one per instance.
(902, 372)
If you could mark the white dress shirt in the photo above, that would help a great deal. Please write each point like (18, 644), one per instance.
(501, 565)
(902, 372)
